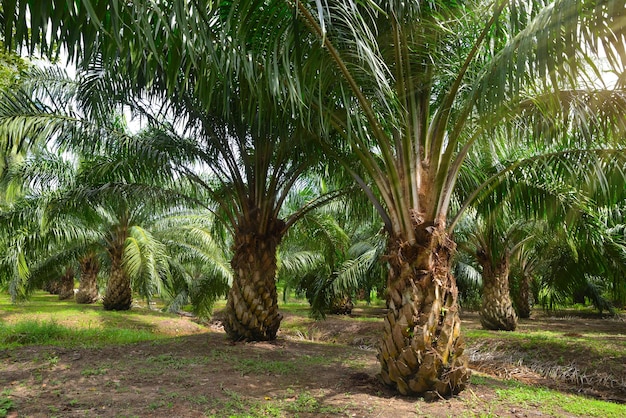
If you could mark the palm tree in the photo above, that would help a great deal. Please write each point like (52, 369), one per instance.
(408, 87)
(97, 220)
(108, 193)
(254, 161)
(199, 266)
(332, 254)
(493, 243)
(88, 288)
(592, 264)
(551, 185)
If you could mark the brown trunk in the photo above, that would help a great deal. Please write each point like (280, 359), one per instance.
(579, 296)
(118, 295)
(422, 351)
(66, 284)
(523, 300)
(52, 286)
(496, 312)
(88, 289)
(252, 306)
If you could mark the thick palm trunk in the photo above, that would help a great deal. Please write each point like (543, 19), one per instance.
(52, 286)
(422, 351)
(118, 295)
(88, 289)
(496, 312)
(66, 284)
(523, 298)
(252, 306)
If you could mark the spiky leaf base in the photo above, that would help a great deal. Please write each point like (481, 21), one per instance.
(66, 285)
(88, 289)
(118, 296)
(252, 307)
(496, 312)
(422, 351)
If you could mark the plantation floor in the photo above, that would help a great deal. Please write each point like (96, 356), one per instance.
(316, 369)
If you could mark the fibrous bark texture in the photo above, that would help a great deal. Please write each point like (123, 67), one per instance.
(52, 286)
(88, 289)
(252, 306)
(496, 312)
(118, 295)
(523, 298)
(66, 285)
(422, 351)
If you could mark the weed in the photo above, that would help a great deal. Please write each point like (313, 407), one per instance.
(260, 366)
(6, 403)
(94, 372)
(308, 404)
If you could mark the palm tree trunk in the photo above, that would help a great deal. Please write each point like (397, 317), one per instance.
(88, 289)
(496, 312)
(422, 351)
(523, 299)
(118, 296)
(252, 306)
(66, 284)
(52, 286)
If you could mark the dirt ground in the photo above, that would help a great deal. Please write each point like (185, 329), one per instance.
(313, 369)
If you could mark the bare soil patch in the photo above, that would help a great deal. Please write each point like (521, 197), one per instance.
(313, 369)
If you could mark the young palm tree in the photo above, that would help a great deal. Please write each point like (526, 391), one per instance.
(199, 266)
(512, 189)
(98, 220)
(592, 264)
(332, 254)
(409, 87)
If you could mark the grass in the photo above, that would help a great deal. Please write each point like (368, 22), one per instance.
(536, 339)
(6, 404)
(32, 332)
(552, 402)
(516, 395)
(46, 321)
(291, 404)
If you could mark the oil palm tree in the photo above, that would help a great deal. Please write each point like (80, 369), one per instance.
(592, 266)
(408, 87)
(411, 99)
(97, 221)
(255, 153)
(198, 263)
(332, 254)
(521, 193)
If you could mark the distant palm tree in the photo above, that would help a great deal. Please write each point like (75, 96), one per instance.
(333, 254)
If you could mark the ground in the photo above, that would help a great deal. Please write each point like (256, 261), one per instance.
(316, 369)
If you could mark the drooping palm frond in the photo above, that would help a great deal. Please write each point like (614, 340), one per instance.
(146, 262)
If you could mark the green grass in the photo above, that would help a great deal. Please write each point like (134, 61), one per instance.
(551, 342)
(6, 404)
(44, 320)
(292, 404)
(552, 402)
(51, 333)
(547, 401)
